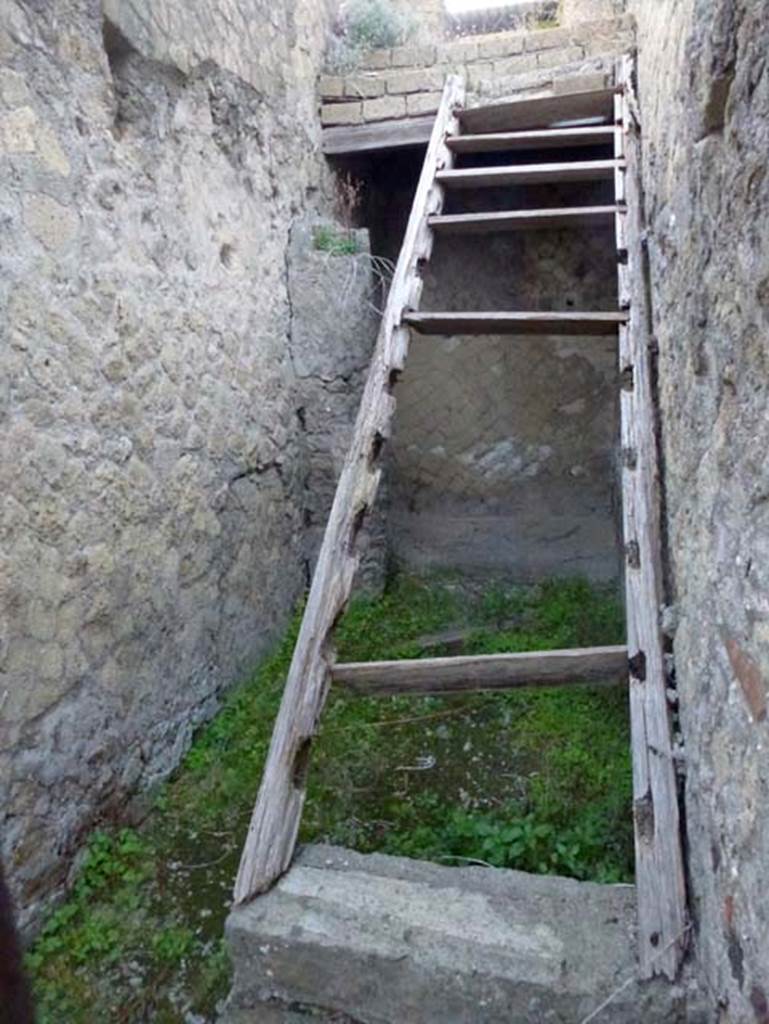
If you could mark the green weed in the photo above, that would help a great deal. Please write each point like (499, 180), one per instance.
(337, 243)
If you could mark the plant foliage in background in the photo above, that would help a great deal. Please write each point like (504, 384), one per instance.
(532, 779)
(363, 26)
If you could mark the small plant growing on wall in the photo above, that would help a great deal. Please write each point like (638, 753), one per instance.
(365, 25)
(343, 242)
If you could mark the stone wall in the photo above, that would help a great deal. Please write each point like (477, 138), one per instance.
(504, 447)
(407, 81)
(152, 475)
(704, 91)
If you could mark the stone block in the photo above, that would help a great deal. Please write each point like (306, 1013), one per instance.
(364, 86)
(458, 52)
(555, 58)
(377, 60)
(515, 65)
(341, 113)
(413, 56)
(415, 81)
(51, 223)
(547, 39)
(389, 939)
(331, 86)
(476, 75)
(502, 45)
(422, 103)
(580, 83)
(384, 108)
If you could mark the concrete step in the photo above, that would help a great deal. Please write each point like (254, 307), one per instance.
(346, 937)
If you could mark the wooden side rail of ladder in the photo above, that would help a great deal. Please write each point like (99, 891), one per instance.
(275, 822)
(504, 127)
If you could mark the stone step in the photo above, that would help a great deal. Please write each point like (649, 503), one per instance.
(348, 937)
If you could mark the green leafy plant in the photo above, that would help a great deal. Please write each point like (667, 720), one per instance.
(337, 243)
(366, 25)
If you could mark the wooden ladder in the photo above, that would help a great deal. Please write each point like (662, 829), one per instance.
(546, 123)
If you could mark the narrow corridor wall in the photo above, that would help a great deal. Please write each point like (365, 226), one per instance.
(704, 92)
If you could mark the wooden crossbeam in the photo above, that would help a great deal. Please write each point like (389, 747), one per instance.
(540, 112)
(523, 220)
(463, 674)
(543, 138)
(659, 874)
(275, 822)
(529, 174)
(569, 323)
(378, 136)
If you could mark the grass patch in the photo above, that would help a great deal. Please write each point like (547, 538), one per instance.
(337, 243)
(533, 779)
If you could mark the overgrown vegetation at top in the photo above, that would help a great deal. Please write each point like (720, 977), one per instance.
(533, 779)
(363, 26)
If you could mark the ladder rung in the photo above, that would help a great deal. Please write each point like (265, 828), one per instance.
(541, 112)
(516, 323)
(483, 671)
(523, 220)
(529, 174)
(546, 138)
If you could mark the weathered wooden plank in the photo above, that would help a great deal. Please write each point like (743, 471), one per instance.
(523, 220)
(465, 673)
(529, 174)
(275, 822)
(540, 112)
(543, 138)
(368, 138)
(516, 323)
(660, 883)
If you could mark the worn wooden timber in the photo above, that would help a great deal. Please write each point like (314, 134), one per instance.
(659, 874)
(569, 323)
(275, 823)
(542, 138)
(529, 174)
(523, 220)
(368, 138)
(462, 674)
(540, 112)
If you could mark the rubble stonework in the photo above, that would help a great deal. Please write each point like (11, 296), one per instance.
(153, 161)
(704, 92)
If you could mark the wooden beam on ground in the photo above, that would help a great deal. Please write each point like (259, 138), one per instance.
(516, 323)
(529, 174)
(468, 673)
(542, 138)
(659, 874)
(540, 112)
(523, 220)
(370, 138)
(275, 822)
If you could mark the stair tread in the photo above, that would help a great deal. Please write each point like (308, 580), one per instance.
(529, 174)
(542, 138)
(571, 322)
(519, 220)
(539, 112)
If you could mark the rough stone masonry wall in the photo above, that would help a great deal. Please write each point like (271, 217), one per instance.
(704, 90)
(407, 81)
(152, 468)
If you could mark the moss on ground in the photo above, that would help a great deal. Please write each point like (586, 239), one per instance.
(533, 779)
